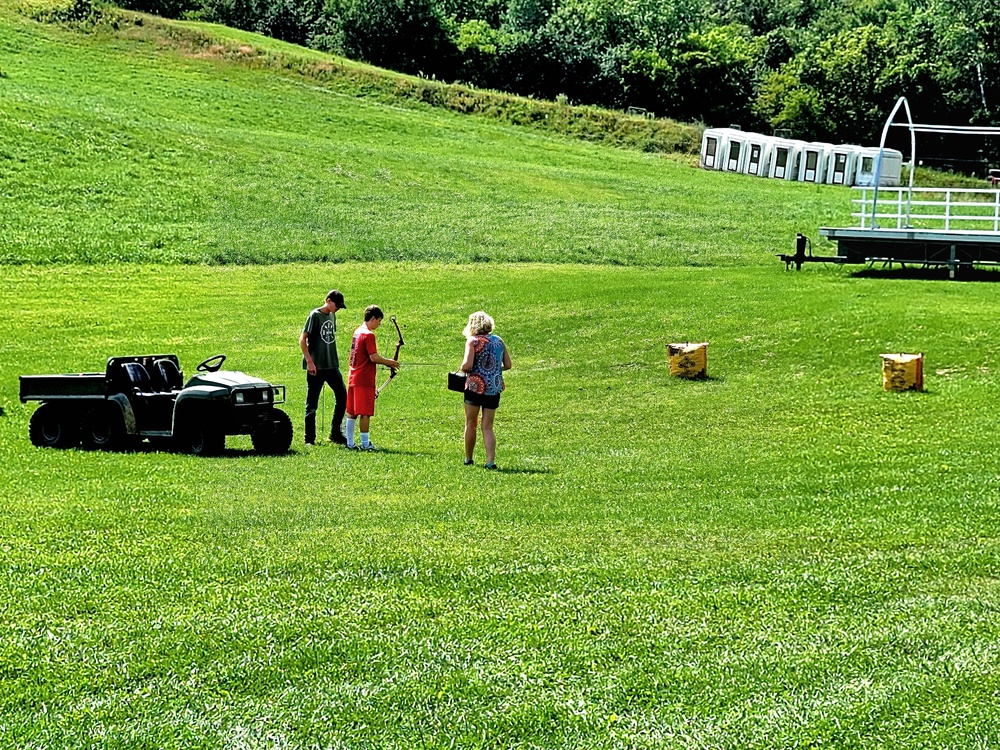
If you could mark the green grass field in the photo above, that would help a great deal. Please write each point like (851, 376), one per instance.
(783, 555)
(121, 151)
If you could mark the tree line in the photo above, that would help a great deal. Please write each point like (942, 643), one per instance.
(820, 69)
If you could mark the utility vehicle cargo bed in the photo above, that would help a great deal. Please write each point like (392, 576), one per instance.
(53, 387)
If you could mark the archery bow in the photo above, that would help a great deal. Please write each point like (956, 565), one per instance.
(392, 370)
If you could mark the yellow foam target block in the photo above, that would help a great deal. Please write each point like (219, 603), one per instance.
(903, 372)
(688, 360)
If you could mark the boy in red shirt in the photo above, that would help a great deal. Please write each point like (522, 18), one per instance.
(361, 377)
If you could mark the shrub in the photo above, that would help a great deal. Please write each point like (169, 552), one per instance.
(166, 8)
(76, 12)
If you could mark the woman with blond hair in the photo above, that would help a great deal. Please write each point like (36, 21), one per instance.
(485, 360)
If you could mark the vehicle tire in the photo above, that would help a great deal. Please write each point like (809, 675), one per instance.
(274, 438)
(52, 426)
(104, 429)
(202, 440)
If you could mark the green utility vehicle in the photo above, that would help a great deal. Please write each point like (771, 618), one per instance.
(146, 398)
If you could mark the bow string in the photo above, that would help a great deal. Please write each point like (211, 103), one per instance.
(395, 356)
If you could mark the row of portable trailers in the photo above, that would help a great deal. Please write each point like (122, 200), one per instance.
(732, 150)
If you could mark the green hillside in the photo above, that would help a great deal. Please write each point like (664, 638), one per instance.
(122, 149)
(782, 555)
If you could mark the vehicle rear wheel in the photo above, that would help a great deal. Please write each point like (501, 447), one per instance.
(53, 427)
(202, 440)
(105, 430)
(274, 438)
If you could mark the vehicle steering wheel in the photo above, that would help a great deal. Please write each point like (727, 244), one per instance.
(212, 364)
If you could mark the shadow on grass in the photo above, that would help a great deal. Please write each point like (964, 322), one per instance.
(389, 452)
(251, 453)
(706, 379)
(508, 470)
(229, 453)
(936, 273)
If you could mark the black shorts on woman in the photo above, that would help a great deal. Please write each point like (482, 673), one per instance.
(482, 400)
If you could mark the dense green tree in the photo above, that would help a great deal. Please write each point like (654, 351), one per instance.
(405, 35)
(716, 75)
(969, 44)
(167, 8)
(827, 69)
(842, 89)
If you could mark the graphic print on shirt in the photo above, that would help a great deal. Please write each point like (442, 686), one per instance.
(486, 377)
(352, 358)
(326, 331)
(475, 383)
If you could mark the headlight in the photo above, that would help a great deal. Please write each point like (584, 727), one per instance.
(240, 397)
(265, 395)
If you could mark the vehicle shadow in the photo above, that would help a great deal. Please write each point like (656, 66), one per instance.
(936, 273)
(251, 453)
(228, 453)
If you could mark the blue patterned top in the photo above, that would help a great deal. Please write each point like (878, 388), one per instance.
(486, 377)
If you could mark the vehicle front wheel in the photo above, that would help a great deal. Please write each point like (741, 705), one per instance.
(53, 427)
(104, 430)
(202, 440)
(273, 438)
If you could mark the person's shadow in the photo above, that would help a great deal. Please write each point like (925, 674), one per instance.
(520, 470)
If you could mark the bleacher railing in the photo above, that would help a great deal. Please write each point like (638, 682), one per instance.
(930, 209)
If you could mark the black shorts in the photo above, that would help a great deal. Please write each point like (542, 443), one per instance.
(477, 399)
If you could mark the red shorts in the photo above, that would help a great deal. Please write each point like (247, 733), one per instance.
(360, 401)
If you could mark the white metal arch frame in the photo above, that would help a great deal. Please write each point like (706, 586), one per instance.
(901, 102)
(914, 129)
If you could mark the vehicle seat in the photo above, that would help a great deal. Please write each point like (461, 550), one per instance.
(169, 375)
(138, 377)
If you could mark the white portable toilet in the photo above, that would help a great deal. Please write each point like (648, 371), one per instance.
(812, 164)
(758, 154)
(734, 149)
(891, 172)
(841, 165)
(723, 148)
(892, 168)
(711, 147)
(783, 164)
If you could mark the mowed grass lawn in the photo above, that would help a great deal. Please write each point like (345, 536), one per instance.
(783, 555)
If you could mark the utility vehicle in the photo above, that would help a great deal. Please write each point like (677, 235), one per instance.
(145, 397)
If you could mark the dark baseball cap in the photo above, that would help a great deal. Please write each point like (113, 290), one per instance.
(337, 298)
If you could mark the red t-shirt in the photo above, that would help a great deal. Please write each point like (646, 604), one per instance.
(362, 372)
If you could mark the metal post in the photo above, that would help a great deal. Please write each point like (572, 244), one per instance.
(800, 250)
(901, 102)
